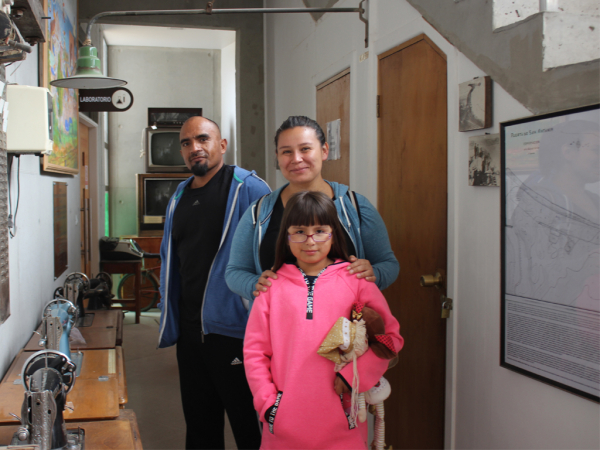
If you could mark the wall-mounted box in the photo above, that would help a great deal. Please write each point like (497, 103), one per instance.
(30, 127)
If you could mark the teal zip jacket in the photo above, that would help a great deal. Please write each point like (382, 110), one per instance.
(223, 312)
(368, 233)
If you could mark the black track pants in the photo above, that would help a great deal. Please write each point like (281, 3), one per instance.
(213, 381)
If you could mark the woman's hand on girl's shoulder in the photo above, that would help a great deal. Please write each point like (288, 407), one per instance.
(362, 268)
(263, 284)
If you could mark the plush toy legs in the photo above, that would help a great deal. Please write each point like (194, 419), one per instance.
(375, 397)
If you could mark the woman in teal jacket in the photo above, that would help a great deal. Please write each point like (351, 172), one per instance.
(301, 149)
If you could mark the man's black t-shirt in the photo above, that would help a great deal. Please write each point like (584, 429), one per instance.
(197, 228)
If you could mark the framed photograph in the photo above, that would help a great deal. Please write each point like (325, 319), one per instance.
(550, 312)
(62, 61)
(475, 104)
(484, 160)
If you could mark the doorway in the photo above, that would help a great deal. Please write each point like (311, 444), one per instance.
(333, 115)
(84, 207)
(412, 200)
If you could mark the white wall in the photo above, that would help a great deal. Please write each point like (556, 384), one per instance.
(487, 406)
(31, 251)
(157, 77)
(228, 103)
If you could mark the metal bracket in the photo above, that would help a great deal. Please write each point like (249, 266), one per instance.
(362, 15)
(210, 11)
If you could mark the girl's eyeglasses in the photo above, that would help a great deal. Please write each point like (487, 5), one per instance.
(317, 237)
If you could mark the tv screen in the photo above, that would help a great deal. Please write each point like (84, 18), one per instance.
(163, 151)
(153, 193)
(158, 191)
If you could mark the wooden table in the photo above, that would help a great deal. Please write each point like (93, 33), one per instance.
(134, 267)
(103, 318)
(122, 433)
(106, 331)
(92, 397)
(95, 338)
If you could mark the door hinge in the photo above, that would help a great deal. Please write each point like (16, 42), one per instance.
(378, 106)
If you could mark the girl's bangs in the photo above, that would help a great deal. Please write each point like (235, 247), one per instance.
(310, 214)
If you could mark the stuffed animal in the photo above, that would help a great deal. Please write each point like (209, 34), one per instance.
(349, 339)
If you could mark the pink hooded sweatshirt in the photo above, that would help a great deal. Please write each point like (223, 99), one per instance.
(284, 332)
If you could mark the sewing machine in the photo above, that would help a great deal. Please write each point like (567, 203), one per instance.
(48, 376)
(74, 289)
(58, 319)
(78, 287)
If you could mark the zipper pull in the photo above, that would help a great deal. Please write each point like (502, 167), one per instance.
(202, 336)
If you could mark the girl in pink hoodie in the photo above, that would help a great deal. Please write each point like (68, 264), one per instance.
(296, 391)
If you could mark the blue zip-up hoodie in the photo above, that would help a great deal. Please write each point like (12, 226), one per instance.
(368, 233)
(223, 312)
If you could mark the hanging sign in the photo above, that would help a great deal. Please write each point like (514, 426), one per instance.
(114, 100)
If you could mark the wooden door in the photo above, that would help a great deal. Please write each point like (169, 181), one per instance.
(333, 103)
(86, 244)
(412, 199)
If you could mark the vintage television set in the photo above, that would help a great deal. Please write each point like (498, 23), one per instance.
(162, 150)
(153, 193)
(161, 139)
(171, 117)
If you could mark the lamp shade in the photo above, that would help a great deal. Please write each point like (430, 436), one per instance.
(88, 74)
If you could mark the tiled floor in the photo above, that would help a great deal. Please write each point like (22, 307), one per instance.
(153, 385)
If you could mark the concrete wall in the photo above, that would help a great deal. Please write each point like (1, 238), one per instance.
(514, 55)
(486, 406)
(31, 251)
(249, 57)
(229, 104)
(179, 78)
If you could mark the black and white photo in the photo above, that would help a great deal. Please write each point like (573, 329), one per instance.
(484, 160)
(475, 104)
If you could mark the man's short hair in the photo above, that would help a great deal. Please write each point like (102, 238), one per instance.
(206, 118)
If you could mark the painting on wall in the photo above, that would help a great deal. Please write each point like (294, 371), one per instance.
(62, 60)
(550, 224)
(475, 104)
(484, 160)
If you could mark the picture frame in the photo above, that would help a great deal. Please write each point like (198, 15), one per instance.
(484, 160)
(550, 249)
(475, 104)
(62, 62)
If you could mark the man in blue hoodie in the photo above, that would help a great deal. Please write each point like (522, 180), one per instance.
(198, 311)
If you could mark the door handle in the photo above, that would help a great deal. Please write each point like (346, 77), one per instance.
(436, 281)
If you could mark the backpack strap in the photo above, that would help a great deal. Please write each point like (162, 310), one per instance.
(256, 210)
(354, 202)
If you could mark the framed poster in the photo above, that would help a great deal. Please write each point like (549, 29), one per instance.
(62, 61)
(550, 313)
